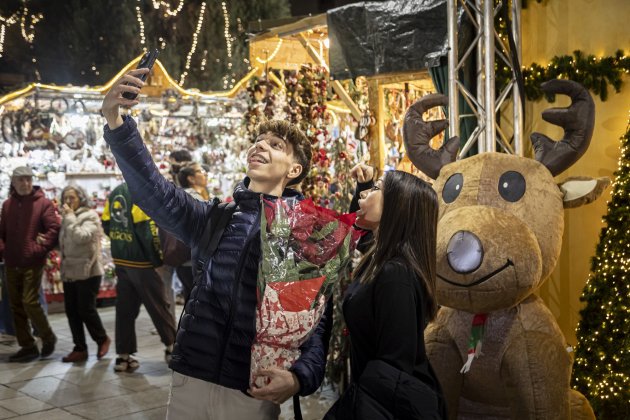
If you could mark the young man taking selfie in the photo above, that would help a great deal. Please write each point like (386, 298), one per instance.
(211, 358)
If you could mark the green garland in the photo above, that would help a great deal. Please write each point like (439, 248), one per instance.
(594, 73)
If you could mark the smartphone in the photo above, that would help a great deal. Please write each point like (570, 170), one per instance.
(147, 61)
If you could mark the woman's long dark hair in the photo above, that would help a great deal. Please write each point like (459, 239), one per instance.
(407, 231)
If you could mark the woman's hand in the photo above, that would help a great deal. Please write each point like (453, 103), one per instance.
(66, 210)
(362, 173)
(114, 99)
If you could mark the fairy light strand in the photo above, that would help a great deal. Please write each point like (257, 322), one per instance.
(273, 54)
(141, 24)
(193, 47)
(34, 20)
(167, 7)
(601, 356)
(2, 29)
(228, 41)
(204, 60)
(27, 30)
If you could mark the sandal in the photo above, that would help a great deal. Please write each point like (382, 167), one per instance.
(126, 365)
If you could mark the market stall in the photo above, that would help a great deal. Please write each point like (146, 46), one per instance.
(58, 131)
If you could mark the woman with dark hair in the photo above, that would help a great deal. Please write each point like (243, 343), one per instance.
(81, 272)
(193, 178)
(390, 302)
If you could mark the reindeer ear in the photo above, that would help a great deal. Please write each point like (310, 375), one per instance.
(579, 190)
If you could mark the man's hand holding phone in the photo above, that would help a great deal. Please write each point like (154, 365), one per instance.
(126, 89)
(114, 98)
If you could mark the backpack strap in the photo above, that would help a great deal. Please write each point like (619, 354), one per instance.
(220, 216)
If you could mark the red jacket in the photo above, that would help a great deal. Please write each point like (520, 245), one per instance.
(21, 220)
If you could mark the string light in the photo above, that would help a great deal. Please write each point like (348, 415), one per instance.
(273, 54)
(602, 354)
(34, 20)
(167, 7)
(193, 47)
(20, 16)
(2, 29)
(228, 41)
(141, 24)
(203, 60)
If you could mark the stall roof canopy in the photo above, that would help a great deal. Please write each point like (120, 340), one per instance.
(158, 81)
(372, 38)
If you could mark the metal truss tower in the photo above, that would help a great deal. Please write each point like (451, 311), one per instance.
(486, 45)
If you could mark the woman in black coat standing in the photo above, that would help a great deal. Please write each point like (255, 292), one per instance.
(390, 302)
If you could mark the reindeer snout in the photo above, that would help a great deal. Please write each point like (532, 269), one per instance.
(464, 252)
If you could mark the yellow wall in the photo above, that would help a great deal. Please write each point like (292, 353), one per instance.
(558, 27)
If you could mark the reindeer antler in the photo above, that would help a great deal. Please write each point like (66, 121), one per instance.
(417, 133)
(577, 120)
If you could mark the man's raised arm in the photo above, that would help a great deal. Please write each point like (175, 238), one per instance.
(171, 208)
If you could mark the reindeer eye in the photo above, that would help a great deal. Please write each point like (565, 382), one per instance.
(512, 186)
(452, 188)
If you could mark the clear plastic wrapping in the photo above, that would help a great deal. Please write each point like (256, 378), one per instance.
(305, 250)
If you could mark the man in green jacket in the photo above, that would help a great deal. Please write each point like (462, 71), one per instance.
(136, 253)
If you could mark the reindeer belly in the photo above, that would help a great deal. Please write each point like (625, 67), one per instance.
(482, 383)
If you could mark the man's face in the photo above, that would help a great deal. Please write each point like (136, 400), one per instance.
(22, 184)
(270, 159)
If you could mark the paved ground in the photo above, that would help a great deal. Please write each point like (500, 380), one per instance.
(52, 390)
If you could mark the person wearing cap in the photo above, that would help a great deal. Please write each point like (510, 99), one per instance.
(29, 229)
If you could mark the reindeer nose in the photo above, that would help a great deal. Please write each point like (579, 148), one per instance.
(464, 252)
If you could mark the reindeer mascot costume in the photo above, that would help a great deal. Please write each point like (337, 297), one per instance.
(495, 346)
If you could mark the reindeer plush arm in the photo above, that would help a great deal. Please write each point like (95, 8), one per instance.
(445, 358)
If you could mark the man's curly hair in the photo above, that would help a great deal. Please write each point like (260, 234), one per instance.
(302, 149)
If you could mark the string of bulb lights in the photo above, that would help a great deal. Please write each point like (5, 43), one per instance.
(195, 38)
(228, 41)
(141, 25)
(26, 29)
(193, 47)
(167, 7)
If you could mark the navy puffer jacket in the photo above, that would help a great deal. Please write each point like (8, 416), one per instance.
(218, 326)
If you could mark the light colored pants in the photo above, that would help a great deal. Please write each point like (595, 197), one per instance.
(193, 399)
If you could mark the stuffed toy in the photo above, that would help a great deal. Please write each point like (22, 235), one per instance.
(496, 348)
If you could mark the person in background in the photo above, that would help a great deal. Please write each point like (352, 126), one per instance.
(175, 253)
(136, 254)
(194, 179)
(392, 297)
(7, 333)
(81, 272)
(29, 229)
(177, 158)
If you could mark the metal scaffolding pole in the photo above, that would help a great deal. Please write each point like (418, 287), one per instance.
(453, 97)
(486, 103)
(516, 96)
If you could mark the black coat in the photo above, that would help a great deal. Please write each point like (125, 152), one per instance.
(386, 393)
(391, 377)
